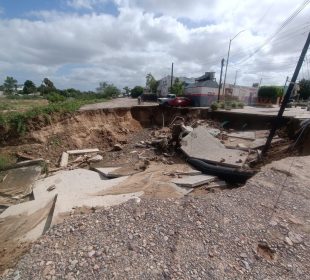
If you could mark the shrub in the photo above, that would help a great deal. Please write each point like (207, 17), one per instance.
(233, 104)
(240, 104)
(214, 106)
(55, 97)
(136, 91)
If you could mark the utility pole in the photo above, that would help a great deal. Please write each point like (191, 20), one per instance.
(286, 98)
(220, 84)
(236, 77)
(227, 60)
(171, 74)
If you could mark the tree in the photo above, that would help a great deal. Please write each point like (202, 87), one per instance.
(304, 89)
(127, 91)
(101, 88)
(270, 92)
(108, 90)
(29, 87)
(177, 87)
(136, 91)
(151, 83)
(47, 87)
(9, 85)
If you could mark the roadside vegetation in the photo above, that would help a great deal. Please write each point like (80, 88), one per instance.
(226, 105)
(21, 104)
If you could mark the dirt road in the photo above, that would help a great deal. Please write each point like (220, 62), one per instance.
(116, 103)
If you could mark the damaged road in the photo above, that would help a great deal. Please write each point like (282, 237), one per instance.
(259, 231)
(126, 166)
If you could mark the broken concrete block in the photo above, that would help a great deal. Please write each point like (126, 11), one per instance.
(85, 151)
(27, 221)
(96, 158)
(105, 171)
(201, 144)
(18, 182)
(28, 163)
(118, 147)
(193, 181)
(78, 188)
(217, 184)
(64, 159)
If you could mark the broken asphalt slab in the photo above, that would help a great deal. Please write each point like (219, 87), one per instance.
(202, 145)
(26, 221)
(79, 188)
(193, 181)
(17, 183)
(115, 172)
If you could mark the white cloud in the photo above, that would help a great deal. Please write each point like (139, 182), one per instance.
(84, 4)
(81, 50)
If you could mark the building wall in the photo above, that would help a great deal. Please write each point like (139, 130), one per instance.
(201, 96)
(204, 96)
(248, 95)
(164, 85)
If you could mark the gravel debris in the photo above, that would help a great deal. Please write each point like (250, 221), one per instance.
(223, 235)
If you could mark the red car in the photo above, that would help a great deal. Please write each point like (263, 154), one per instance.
(179, 102)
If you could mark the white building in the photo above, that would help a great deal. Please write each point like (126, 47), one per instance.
(165, 84)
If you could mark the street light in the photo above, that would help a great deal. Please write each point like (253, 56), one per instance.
(227, 60)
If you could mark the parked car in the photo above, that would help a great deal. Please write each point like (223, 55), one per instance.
(179, 102)
(164, 100)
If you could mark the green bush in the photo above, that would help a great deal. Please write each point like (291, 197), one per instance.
(233, 104)
(214, 106)
(270, 92)
(240, 104)
(136, 91)
(55, 97)
(5, 161)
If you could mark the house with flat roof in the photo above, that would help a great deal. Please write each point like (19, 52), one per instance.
(203, 92)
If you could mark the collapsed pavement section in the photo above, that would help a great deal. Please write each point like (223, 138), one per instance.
(259, 231)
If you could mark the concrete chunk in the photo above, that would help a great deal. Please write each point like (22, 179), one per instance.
(29, 219)
(193, 181)
(106, 171)
(85, 151)
(64, 159)
(202, 145)
(78, 188)
(18, 182)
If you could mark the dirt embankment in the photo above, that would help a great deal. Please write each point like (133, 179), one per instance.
(101, 129)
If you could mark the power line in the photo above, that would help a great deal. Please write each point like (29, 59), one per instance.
(279, 29)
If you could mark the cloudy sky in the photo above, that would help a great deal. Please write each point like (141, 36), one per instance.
(79, 43)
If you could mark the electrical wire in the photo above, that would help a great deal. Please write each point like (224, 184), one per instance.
(279, 29)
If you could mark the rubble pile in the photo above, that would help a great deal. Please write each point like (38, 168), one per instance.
(153, 167)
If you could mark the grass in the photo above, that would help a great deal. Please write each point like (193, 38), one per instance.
(5, 161)
(20, 105)
(17, 121)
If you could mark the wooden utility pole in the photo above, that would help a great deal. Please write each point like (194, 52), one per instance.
(171, 75)
(220, 84)
(286, 98)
